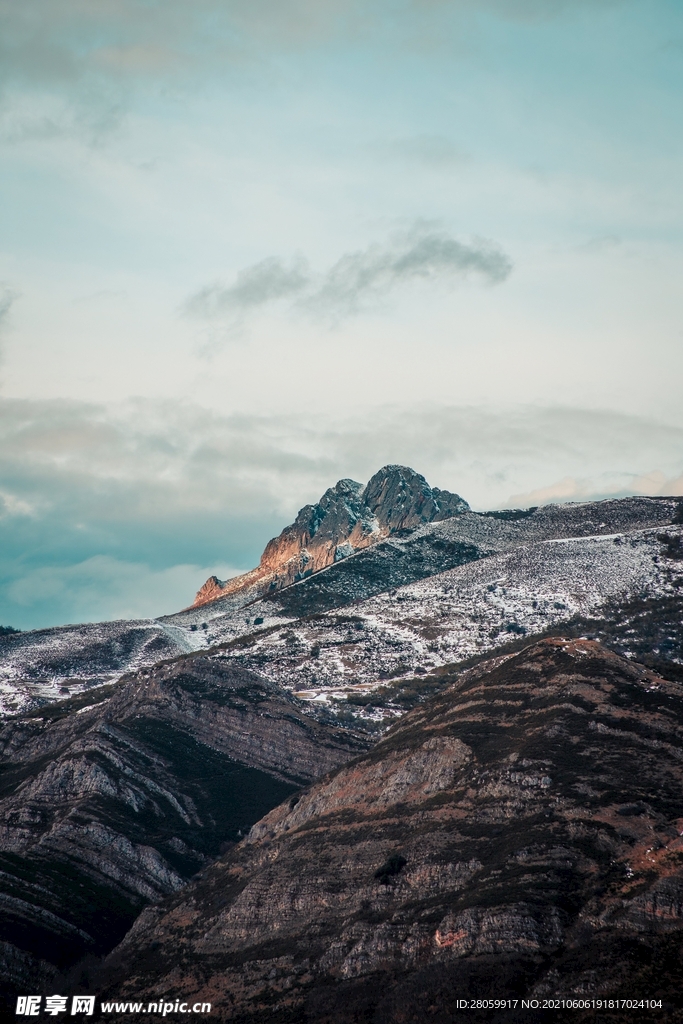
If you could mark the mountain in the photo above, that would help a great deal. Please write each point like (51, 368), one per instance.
(348, 518)
(517, 836)
(133, 753)
(626, 586)
(412, 541)
(116, 798)
(44, 665)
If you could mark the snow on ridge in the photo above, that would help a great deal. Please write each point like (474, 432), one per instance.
(461, 612)
(527, 579)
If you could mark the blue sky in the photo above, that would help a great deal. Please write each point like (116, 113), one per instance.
(246, 249)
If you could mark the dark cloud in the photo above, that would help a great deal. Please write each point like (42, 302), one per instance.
(362, 276)
(255, 286)
(357, 279)
(108, 507)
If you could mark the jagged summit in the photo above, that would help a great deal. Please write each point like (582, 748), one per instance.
(347, 518)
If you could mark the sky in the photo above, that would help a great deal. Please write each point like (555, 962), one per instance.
(248, 248)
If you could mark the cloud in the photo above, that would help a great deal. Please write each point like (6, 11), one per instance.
(358, 279)
(566, 489)
(108, 506)
(44, 116)
(96, 54)
(103, 587)
(11, 505)
(72, 43)
(255, 286)
(429, 254)
(656, 482)
(65, 39)
(610, 485)
(7, 299)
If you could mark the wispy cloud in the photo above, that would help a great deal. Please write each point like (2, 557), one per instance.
(64, 39)
(96, 55)
(7, 298)
(657, 482)
(361, 277)
(357, 280)
(255, 286)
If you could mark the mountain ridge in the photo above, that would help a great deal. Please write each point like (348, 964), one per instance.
(36, 667)
(501, 840)
(109, 806)
(347, 518)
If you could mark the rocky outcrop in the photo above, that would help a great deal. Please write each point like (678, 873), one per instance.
(503, 841)
(348, 518)
(210, 590)
(108, 806)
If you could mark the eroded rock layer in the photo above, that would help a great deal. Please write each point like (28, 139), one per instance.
(108, 806)
(517, 836)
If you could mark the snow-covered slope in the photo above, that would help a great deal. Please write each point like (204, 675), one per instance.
(49, 664)
(441, 592)
(463, 612)
(423, 552)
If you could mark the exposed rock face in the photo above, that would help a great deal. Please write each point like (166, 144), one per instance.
(108, 807)
(347, 518)
(210, 590)
(517, 836)
(401, 499)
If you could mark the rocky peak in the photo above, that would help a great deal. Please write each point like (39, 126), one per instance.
(348, 518)
(332, 519)
(402, 499)
(337, 512)
(212, 589)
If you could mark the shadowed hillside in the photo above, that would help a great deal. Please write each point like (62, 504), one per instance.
(516, 836)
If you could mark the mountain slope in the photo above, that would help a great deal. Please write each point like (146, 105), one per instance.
(107, 806)
(369, 651)
(502, 840)
(44, 665)
(35, 666)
